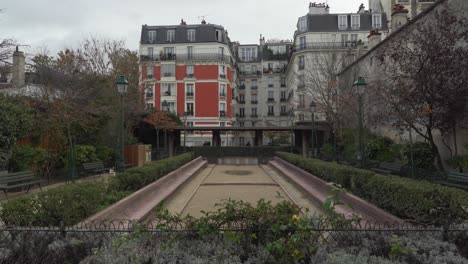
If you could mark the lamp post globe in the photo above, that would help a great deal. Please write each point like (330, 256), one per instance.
(360, 86)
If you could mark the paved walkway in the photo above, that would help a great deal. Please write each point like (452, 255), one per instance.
(248, 183)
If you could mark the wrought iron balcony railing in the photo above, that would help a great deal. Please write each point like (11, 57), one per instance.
(188, 57)
(328, 45)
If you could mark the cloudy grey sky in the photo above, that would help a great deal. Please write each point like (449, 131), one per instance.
(57, 24)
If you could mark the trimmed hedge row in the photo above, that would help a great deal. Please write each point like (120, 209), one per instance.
(73, 203)
(406, 198)
(134, 179)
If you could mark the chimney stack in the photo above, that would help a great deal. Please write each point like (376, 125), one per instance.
(262, 40)
(399, 17)
(18, 68)
(374, 38)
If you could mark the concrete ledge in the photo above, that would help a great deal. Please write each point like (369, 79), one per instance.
(140, 204)
(318, 190)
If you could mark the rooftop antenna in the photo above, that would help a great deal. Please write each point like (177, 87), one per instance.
(202, 18)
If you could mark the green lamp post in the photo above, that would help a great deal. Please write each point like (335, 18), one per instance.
(165, 107)
(312, 107)
(122, 89)
(360, 86)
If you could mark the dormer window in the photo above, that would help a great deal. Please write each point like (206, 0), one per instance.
(152, 36)
(342, 22)
(355, 21)
(170, 35)
(302, 23)
(218, 36)
(191, 35)
(376, 21)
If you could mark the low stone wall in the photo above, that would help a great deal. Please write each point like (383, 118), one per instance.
(140, 204)
(318, 190)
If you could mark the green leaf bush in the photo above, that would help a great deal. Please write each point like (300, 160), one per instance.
(27, 158)
(406, 198)
(73, 203)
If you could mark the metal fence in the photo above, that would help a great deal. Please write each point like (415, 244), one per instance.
(20, 244)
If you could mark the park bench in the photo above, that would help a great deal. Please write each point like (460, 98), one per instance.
(17, 180)
(458, 177)
(95, 167)
(388, 168)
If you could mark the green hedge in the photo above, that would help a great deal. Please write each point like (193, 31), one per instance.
(137, 178)
(73, 203)
(259, 152)
(406, 198)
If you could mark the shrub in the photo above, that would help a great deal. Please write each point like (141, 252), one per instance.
(327, 149)
(27, 158)
(406, 198)
(422, 155)
(73, 203)
(105, 154)
(138, 177)
(380, 148)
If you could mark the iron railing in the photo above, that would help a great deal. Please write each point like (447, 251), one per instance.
(328, 45)
(188, 57)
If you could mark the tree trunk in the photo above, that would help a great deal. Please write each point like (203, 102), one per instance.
(435, 152)
(5, 155)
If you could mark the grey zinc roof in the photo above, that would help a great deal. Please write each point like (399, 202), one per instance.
(329, 22)
(203, 33)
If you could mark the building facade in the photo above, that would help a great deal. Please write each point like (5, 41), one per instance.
(324, 43)
(189, 69)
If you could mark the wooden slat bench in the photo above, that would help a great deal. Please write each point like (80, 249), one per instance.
(457, 179)
(388, 168)
(17, 180)
(95, 167)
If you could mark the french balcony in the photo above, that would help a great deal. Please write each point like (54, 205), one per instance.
(254, 102)
(241, 102)
(222, 113)
(167, 93)
(149, 76)
(284, 114)
(202, 57)
(253, 87)
(283, 99)
(328, 45)
(190, 75)
(250, 73)
(222, 76)
(283, 85)
(271, 113)
(242, 87)
(253, 115)
(270, 100)
(149, 95)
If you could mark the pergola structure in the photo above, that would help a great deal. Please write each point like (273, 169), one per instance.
(302, 134)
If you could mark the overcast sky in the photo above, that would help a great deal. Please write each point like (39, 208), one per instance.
(57, 24)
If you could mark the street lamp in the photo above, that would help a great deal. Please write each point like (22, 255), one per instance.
(165, 107)
(360, 88)
(312, 107)
(291, 118)
(122, 89)
(185, 130)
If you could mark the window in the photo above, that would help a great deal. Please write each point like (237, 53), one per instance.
(189, 52)
(149, 106)
(149, 91)
(302, 23)
(354, 38)
(376, 21)
(301, 62)
(149, 71)
(170, 35)
(241, 124)
(271, 82)
(253, 123)
(271, 110)
(254, 98)
(254, 69)
(242, 112)
(301, 80)
(189, 89)
(283, 95)
(221, 51)
(218, 36)
(302, 43)
(190, 70)
(169, 53)
(189, 109)
(191, 35)
(344, 40)
(342, 22)
(168, 89)
(222, 124)
(254, 83)
(170, 107)
(355, 21)
(222, 109)
(190, 124)
(301, 101)
(283, 81)
(271, 95)
(270, 66)
(248, 53)
(301, 117)
(151, 36)
(254, 111)
(168, 70)
(150, 52)
(222, 90)
(222, 71)
(283, 109)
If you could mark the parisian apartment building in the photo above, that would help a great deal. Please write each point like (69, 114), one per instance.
(197, 69)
